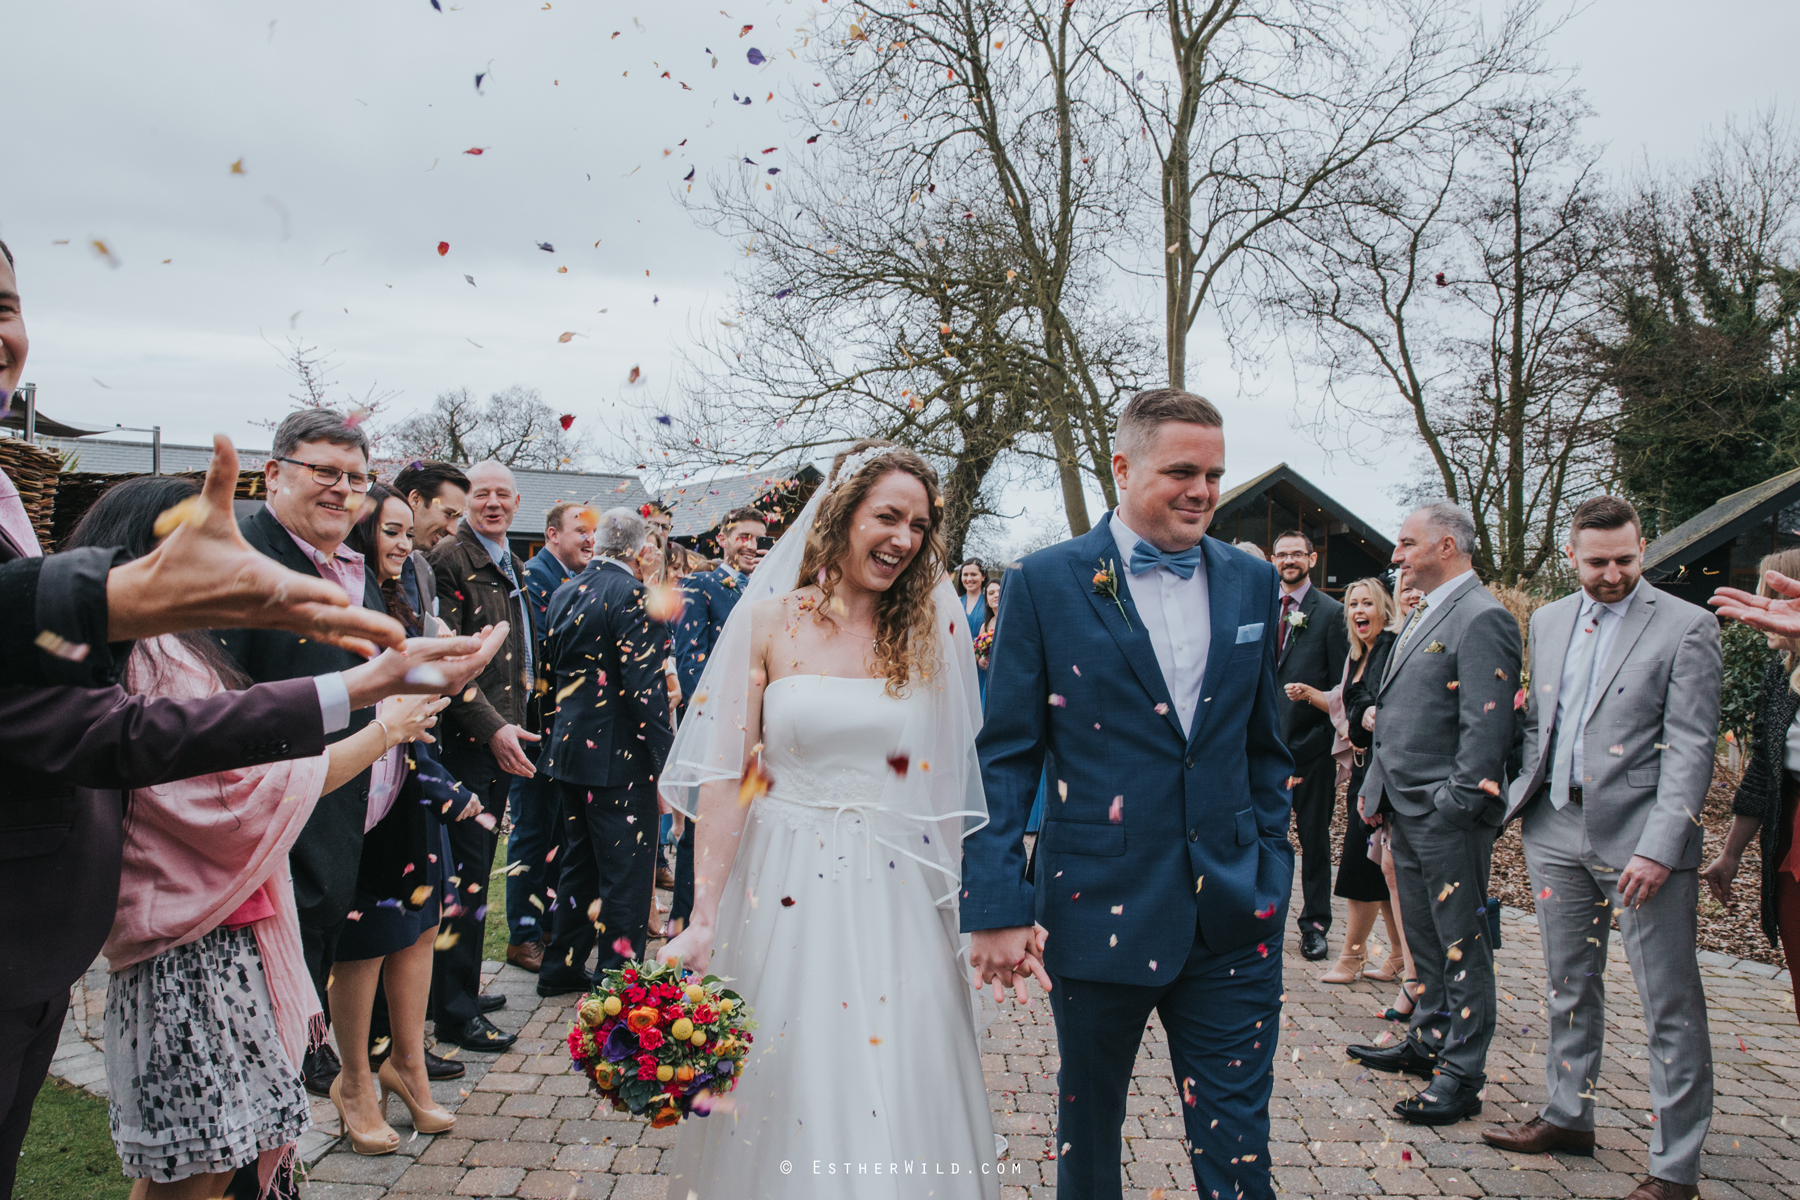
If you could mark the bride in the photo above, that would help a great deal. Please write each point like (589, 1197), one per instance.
(826, 880)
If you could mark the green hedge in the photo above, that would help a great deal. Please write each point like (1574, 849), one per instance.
(1747, 653)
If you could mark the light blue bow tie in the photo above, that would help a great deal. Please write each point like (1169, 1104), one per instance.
(1146, 558)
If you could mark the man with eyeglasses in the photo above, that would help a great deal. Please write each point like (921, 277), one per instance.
(1312, 645)
(317, 477)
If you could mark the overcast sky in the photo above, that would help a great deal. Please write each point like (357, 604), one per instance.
(351, 121)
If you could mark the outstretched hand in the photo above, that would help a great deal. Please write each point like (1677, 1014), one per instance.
(424, 667)
(1006, 958)
(1778, 614)
(204, 575)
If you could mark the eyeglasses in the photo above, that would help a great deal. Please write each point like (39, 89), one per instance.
(1291, 554)
(329, 476)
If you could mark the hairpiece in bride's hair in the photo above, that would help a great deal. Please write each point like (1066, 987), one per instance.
(856, 462)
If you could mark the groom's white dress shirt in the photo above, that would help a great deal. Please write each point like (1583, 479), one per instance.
(1177, 614)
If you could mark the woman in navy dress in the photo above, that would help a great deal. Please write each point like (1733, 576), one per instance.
(400, 886)
(971, 589)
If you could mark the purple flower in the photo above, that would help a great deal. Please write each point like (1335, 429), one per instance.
(621, 1044)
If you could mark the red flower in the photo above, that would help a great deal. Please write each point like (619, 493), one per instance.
(650, 1039)
(575, 1040)
(673, 1013)
(671, 1089)
(704, 1015)
(647, 1060)
(634, 995)
(646, 1072)
(629, 974)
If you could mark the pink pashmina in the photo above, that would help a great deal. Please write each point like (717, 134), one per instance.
(197, 849)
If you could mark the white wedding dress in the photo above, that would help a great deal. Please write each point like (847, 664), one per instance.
(864, 1080)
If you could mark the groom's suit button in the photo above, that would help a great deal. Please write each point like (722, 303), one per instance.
(1190, 764)
(1193, 835)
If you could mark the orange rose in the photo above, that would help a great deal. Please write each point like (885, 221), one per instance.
(665, 1118)
(643, 1018)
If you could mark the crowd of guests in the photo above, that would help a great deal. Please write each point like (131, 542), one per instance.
(1422, 707)
(264, 763)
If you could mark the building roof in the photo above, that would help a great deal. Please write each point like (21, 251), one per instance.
(1706, 531)
(697, 505)
(111, 456)
(1296, 492)
(539, 491)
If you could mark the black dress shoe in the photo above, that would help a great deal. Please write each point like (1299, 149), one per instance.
(439, 1067)
(551, 985)
(319, 1068)
(1313, 946)
(1402, 1059)
(488, 1003)
(1443, 1103)
(476, 1033)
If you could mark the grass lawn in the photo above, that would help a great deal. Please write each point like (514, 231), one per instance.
(69, 1150)
(493, 941)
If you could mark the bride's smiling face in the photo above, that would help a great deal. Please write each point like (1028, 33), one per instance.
(887, 531)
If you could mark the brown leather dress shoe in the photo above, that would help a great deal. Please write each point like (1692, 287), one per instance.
(526, 955)
(1537, 1136)
(1662, 1189)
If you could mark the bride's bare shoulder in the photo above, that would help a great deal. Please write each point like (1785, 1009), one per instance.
(778, 611)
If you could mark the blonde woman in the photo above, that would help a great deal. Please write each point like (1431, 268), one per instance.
(1369, 614)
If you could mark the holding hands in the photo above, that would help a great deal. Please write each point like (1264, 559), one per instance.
(1007, 957)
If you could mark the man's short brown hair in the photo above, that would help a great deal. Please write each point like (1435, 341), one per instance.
(743, 514)
(1296, 533)
(1604, 512)
(1147, 411)
(559, 514)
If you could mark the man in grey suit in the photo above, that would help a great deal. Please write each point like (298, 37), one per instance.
(1619, 739)
(1443, 726)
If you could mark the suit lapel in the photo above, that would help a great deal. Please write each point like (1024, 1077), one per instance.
(282, 547)
(1092, 553)
(1223, 588)
(1305, 608)
(1421, 636)
(1637, 619)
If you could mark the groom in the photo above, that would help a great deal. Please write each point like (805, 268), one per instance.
(1142, 657)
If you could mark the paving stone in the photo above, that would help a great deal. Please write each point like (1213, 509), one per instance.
(491, 1181)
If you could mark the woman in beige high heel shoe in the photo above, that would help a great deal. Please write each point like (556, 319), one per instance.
(405, 854)
(1369, 613)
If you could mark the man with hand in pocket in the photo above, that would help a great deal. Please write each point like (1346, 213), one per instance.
(1619, 737)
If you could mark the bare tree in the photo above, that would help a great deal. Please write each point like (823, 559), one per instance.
(314, 375)
(1004, 106)
(1263, 106)
(514, 427)
(1451, 292)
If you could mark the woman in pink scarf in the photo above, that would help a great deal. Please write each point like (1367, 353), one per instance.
(209, 1008)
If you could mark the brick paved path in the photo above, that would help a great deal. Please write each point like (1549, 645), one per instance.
(527, 1126)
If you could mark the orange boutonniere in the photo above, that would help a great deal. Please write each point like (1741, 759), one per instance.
(1106, 583)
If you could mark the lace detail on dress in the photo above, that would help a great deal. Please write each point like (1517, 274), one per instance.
(803, 799)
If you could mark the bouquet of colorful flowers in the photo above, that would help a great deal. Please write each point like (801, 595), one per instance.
(659, 1042)
(984, 643)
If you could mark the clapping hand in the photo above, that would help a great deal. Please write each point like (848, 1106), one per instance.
(424, 667)
(1769, 614)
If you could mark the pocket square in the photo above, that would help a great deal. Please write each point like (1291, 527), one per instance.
(1250, 633)
(1435, 648)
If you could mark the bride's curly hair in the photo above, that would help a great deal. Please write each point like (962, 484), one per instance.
(906, 645)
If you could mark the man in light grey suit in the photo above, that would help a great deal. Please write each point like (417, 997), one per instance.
(1443, 726)
(1619, 739)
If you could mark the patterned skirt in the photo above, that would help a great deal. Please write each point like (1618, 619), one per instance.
(198, 1079)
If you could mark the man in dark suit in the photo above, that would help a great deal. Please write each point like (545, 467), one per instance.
(709, 598)
(1142, 655)
(1444, 727)
(317, 475)
(605, 750)
(1311, 647)
(484, 742)
(568, 547)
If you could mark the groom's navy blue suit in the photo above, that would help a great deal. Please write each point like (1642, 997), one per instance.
(1163, 875)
